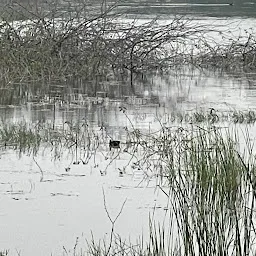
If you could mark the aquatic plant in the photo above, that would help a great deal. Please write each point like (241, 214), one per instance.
(211, 183)
(210, 191)
(210, 116)
(82, 140)
(19, 137)
(27, 138)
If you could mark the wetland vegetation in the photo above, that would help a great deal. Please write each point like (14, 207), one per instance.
(199, 160)
(210, 184)
(207, 174)
(80, 43)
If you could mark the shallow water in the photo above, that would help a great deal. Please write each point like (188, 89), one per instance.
(39, 217)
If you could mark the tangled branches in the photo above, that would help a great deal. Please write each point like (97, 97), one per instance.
(92, 44)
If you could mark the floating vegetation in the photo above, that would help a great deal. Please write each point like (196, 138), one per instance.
(64, 194)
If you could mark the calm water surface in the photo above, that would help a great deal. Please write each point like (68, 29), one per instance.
(195, 8)
(40, 217)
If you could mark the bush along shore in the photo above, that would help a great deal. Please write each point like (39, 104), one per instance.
(80, 43)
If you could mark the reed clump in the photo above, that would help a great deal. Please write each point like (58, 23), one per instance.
(210, 176)
(211, 116)
(28, 137)
(80, 140)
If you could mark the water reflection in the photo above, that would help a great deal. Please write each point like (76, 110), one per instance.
(186, 89)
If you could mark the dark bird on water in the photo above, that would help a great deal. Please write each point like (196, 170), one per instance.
(114, 144)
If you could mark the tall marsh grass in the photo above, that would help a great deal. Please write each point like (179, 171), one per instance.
(212, 196)
(77, 138)
(208, 177)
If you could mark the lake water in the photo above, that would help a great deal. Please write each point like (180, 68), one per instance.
(39, 217)
(195, 8)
